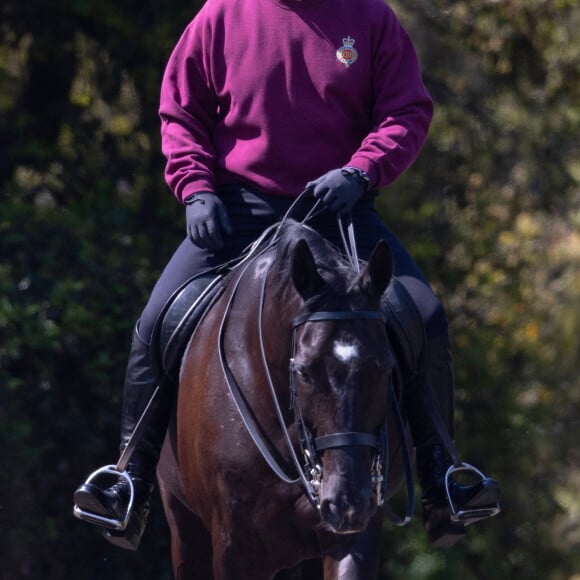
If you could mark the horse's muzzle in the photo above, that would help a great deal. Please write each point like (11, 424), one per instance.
(344, 507)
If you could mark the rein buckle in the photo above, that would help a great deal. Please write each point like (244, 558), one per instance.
(377, 479)
(314, 470)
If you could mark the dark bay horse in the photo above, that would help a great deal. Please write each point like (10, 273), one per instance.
(290, 367)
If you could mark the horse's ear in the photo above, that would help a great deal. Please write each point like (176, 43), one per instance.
(379, 270)
(305, 276)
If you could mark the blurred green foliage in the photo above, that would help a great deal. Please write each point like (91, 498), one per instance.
(491, 211)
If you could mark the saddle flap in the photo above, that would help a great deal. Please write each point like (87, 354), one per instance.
(404, 326)
(179, 319)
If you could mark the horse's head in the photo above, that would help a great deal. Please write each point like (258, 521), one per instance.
(342, 365)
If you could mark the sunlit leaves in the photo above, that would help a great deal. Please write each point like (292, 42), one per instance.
(490, 210)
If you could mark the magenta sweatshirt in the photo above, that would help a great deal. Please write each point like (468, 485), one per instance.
(274, 93)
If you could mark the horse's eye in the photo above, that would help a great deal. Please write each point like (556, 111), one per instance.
(302, 373)
(382, 366)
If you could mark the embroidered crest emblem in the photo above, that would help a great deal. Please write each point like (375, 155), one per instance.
(347, 53)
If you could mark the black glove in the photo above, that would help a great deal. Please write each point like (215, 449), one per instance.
(339, 189)
(207, 220)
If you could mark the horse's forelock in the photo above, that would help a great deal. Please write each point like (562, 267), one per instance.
(332, 265)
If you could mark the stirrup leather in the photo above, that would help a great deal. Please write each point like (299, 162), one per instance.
(468, 516)
(113, 523)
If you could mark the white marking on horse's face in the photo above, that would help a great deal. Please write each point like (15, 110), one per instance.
(261, 267)
(345, 351)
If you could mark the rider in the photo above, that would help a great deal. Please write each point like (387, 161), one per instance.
(260, 100)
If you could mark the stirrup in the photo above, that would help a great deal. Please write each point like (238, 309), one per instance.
(112, 523)
(468, 516)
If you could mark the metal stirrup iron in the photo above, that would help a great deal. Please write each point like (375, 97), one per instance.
(465, 516)
(468, 516)
(119, 471)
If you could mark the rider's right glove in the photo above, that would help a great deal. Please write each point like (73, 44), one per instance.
(207, 220)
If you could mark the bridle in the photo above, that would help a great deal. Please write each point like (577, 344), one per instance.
(312, 447)
(309, 467)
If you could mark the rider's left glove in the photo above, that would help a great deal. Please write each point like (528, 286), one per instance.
(340, 189)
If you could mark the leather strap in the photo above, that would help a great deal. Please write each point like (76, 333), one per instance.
(440, 426)
(350, 244)
(339, 315)
(395, 519)
(345, 440)
(137, 434)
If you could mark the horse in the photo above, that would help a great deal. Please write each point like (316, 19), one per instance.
(273, 465)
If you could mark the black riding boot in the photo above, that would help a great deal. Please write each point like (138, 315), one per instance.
(475, 502)
(112, 503)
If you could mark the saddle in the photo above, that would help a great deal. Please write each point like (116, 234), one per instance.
(177, 321)
(184, 311)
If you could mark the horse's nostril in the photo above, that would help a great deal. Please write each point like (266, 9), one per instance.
(330, 513)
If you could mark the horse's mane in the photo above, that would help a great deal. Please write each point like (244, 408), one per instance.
(332, 264)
